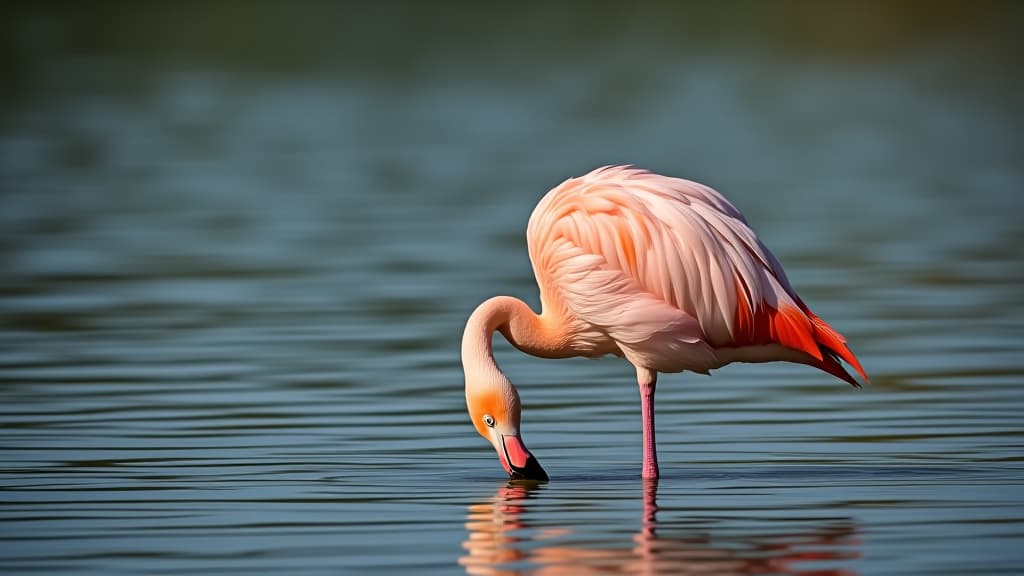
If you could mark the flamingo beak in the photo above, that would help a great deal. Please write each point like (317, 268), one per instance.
(517, 460)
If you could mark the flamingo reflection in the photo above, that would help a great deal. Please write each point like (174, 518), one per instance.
(502, 543)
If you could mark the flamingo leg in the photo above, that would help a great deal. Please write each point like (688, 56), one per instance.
(647, 379)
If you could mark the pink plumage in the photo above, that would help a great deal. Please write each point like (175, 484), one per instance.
(668, 272)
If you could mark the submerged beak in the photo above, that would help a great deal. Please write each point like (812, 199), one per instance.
(517, 460)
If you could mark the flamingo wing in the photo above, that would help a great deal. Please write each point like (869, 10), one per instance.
(670, 271)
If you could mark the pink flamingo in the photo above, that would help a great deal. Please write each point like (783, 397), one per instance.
(662, 271)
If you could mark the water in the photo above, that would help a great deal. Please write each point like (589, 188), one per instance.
(239, 244)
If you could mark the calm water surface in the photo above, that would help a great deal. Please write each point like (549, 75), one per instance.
(239, 245)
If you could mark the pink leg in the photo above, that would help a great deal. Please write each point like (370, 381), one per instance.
(647, 380)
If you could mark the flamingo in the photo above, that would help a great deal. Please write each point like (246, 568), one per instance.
(661, 271)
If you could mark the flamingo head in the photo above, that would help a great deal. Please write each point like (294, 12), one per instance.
(495, 412)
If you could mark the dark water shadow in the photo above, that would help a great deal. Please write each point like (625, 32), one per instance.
(505, 537)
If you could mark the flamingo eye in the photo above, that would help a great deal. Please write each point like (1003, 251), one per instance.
(489, 420)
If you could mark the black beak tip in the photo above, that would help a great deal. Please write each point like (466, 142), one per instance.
(531, 471)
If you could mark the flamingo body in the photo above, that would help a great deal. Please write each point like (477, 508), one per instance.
(662, 271)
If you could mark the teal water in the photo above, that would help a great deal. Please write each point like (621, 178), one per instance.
(240, 241)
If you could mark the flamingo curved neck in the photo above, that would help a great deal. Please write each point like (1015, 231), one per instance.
(517, 322)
